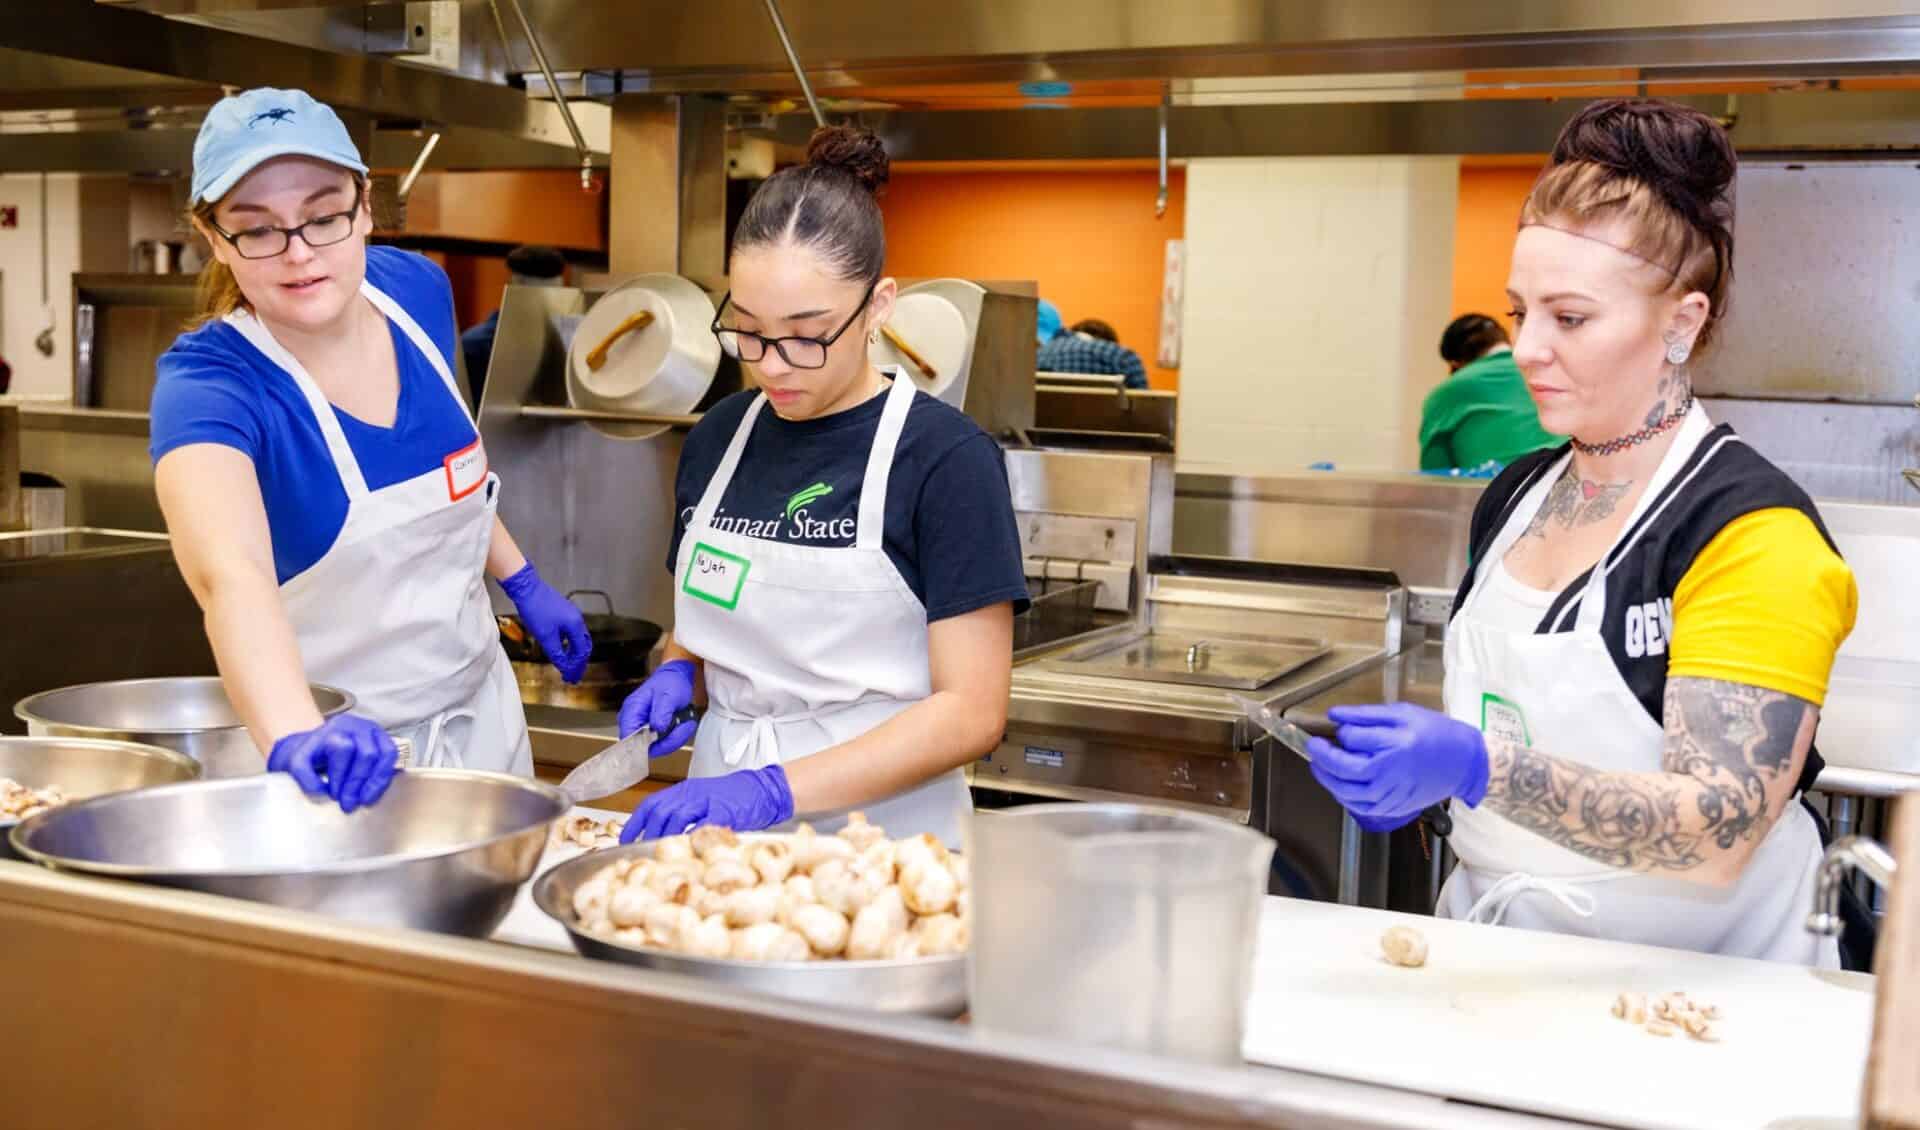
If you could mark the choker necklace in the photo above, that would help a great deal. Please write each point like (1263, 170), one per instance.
(1635, 439)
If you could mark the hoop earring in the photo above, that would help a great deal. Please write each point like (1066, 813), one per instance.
(1678, 352)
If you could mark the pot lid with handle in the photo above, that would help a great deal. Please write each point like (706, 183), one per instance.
(932, 328)
(644, 347)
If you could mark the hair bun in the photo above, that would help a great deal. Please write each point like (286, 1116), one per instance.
(855, 150)
(1678, 151)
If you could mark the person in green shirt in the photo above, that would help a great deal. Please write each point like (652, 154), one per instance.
(1482, 413)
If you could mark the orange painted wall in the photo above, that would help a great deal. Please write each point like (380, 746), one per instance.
(1490, 197)
(1088, 237)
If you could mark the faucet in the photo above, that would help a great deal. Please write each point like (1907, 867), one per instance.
(1847, 853)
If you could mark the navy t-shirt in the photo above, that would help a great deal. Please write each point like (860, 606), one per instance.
(950, 528)
(213, 386)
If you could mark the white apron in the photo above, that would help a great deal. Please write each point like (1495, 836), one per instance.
(1561, 693)
(807, 647)
(396, 610)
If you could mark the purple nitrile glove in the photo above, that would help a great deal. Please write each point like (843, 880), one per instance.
(346, 757)
(1394, 761)
(556, 623)
(746, 801)
(653, 704)
(1383, 823)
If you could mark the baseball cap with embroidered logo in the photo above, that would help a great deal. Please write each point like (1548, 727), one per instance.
(249, 129)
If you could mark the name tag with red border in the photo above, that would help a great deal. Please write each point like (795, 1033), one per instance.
(466, 470)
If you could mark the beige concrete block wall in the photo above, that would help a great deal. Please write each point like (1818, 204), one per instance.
(22, 315)
(87, 231)
(1316, 292)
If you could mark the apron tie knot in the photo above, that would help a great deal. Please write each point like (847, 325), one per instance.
(761, 740)
(1491, 907)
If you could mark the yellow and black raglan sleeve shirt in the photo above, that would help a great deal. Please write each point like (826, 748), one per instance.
(1727, 573)
(1767, 603)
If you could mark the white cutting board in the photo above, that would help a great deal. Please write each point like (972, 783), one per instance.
(1520, 1019)
(526, 924)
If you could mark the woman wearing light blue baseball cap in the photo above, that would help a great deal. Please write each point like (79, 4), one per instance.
(324, 484)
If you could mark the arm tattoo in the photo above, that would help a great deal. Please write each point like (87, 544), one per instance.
(1732, 758)
(1574, 501)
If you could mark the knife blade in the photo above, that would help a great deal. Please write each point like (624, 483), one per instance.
(1269, 719)
(1295, 739)
(619, 766)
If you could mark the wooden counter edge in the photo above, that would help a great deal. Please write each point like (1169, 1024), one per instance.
(1892, 1100)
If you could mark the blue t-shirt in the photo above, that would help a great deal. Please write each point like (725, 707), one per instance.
(950, 528)
(213, 386)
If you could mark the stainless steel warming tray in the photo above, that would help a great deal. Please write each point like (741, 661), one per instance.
(1195, 659)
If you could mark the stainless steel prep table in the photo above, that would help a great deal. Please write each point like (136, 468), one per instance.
(160, 1001)
(85, 605)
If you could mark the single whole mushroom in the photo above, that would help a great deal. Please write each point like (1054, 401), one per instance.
(1405, 946)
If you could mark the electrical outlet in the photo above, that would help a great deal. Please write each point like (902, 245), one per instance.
(1429, 606)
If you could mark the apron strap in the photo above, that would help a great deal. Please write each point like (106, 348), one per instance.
(886, 440)
(398, 315)
(344, 462)
(729, 463)
(1662, 489)
(1527, 503)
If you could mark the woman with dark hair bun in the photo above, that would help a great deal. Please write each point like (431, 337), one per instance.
(846, 561)
(1638, 655)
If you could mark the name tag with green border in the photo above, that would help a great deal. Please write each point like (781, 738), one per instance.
(1500, 718)
(715, 576)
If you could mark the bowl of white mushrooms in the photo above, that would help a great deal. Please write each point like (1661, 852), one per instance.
(851, 918)
(37, 774)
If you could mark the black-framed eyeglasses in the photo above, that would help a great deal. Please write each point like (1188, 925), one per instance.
(800, 352)
(269, 241)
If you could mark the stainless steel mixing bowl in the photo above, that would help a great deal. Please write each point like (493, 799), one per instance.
(87, 767)
(192, 715)
(444, 849)
(931, 986)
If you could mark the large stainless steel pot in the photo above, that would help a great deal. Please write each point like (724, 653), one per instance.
(932, 986)
(622, 656)
(444, 849)
(86, 767)
(190, 715)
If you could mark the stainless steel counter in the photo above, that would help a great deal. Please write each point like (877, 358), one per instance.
(83, 605)
(1415, 675)
(139, 997)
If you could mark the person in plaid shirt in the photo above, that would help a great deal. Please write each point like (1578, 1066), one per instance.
(1092, 346)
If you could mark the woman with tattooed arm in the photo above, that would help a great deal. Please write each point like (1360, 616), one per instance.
(1639, 652)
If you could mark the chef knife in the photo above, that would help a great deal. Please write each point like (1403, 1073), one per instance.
(1283, 731)
(619, 766)
(1295, 739)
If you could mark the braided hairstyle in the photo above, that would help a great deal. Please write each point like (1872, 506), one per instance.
(1658, 173)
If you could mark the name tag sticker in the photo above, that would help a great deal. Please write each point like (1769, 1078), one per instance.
(466, 470)
(715, 576)
(1502, 719)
